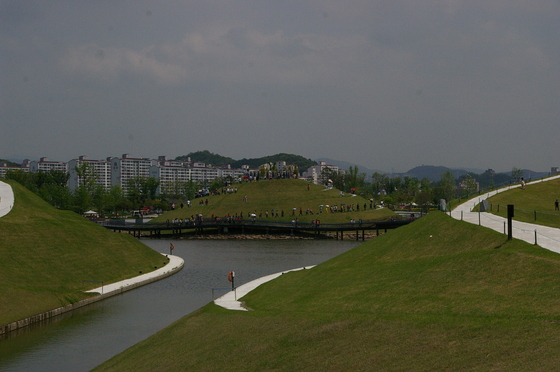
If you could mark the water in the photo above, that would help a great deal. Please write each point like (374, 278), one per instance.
(85, 338)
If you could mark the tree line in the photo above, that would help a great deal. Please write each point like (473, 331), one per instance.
(52, 186)
(423, 192)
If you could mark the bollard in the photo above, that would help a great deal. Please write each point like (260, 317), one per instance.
(535, 237)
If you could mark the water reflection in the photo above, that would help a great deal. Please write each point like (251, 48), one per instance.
(84, 338)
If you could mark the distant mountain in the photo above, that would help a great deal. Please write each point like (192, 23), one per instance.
(485, 178)
(531, 175)
(10, 163)
(218, 160)
(433, 173)
(206, 157)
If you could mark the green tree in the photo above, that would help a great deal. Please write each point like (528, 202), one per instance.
(516, 174)
(447, 184)
(469, 185)
(354, 180)
(379, 183)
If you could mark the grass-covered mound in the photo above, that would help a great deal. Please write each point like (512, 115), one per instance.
(46, 254)
(277, 196)
(534, 204)
(438, 294)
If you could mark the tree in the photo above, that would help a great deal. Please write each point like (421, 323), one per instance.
(87, 176)
(447, 184)
(330, 174)
(354, 180)
(516, 174)
(379, 183)
(469, 185)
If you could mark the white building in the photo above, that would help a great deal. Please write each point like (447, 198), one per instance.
(102, 170)
(117, 171)
(125, 168)
(4, 168)
(314, 173)
(45, 165)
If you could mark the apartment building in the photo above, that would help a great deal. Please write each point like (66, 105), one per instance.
(45, 165)
(4, 168)
(314, 173)
(127, 167)
(102, 169)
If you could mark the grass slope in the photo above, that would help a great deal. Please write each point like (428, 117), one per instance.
(538, 197)
(280, 195)
(438, 294)
(46, 254)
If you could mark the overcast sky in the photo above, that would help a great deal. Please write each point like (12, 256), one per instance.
(386, 84)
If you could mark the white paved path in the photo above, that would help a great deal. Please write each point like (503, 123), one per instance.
(6, 198)
(230, 299)
(175, 263)
(546, 237)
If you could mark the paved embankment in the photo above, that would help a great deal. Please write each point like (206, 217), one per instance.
(543, 236)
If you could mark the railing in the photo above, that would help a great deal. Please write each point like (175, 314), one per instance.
(527, 215)
(357, 225)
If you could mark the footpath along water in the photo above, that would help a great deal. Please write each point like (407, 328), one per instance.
(85, 338)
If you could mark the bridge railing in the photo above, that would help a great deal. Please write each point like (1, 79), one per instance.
(257, 223)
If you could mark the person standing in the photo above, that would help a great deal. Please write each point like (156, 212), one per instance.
(556, 205)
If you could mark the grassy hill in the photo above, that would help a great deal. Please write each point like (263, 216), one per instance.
(46, 254)
(538, 197)
(438, 294)
(280, 195)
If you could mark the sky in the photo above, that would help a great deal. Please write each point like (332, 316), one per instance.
(386, 84)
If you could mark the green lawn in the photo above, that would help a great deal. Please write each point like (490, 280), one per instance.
(280, 195)
(534, 204)
(46, 254)
(438, 294)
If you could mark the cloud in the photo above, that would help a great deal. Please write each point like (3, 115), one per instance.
(224, 55)
(111, 65)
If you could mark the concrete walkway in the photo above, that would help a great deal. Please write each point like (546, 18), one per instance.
(230, 300)
(175, 264)
(543, 236)
(6, 198)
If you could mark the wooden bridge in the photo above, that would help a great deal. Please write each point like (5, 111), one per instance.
(170, 229)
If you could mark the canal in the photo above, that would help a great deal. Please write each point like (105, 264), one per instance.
(87, 337)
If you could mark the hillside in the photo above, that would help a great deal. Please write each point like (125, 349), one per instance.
(254, 163)
(280, 195)
(534, 204)
(206, 157)
(438, 294)
(47, 254)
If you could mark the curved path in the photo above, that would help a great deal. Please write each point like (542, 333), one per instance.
(6, 198)
(230, 299)
(543, 236)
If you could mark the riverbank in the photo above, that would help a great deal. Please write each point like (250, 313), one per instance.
(175, 264)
